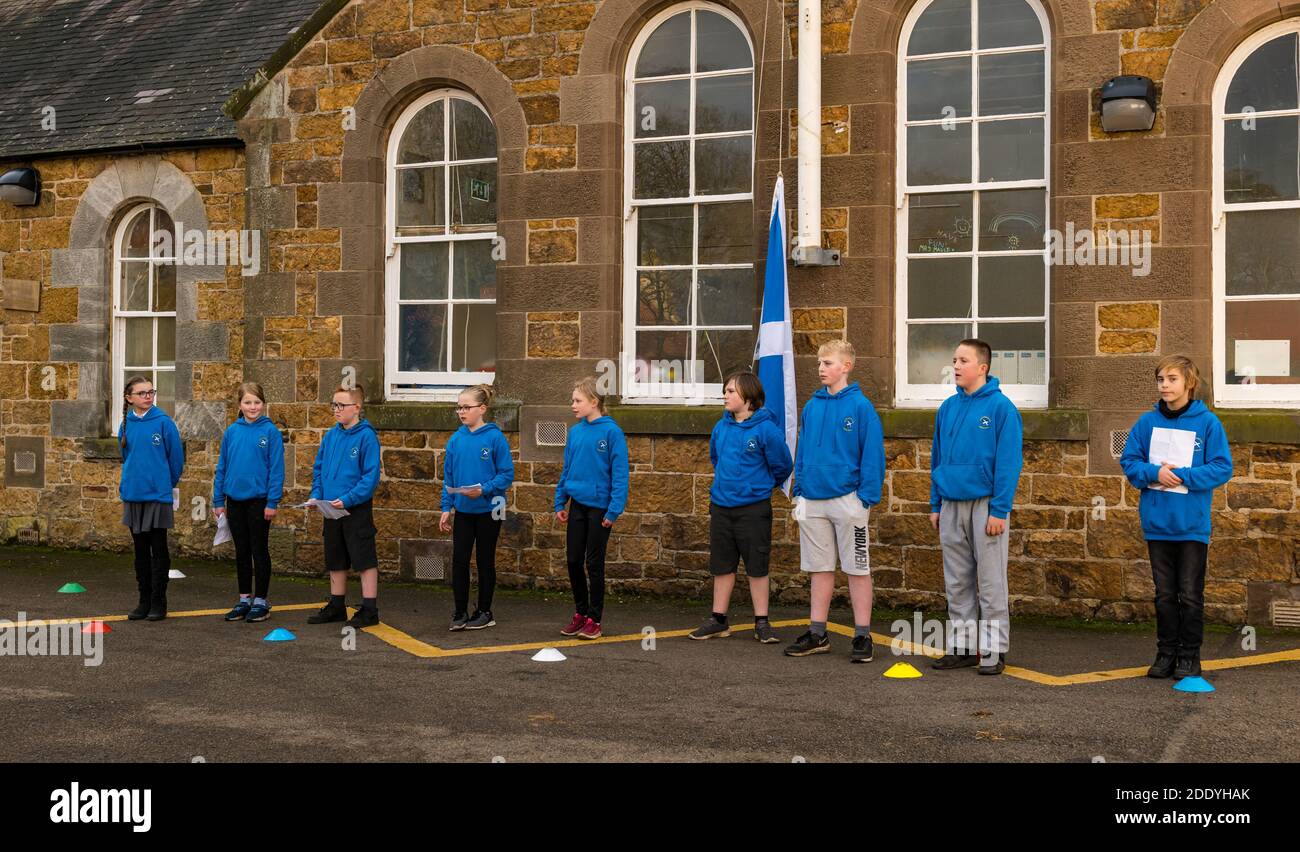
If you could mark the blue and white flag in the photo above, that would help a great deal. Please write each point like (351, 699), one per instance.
(775, 350)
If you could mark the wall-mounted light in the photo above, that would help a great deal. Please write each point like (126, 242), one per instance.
(21, 187)
(1128, 103)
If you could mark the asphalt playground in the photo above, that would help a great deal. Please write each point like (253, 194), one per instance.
(193, 687)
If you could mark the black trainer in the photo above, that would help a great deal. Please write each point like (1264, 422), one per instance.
(458, 621)
(955, 661)
(764, 633)
(329, 613)
(1188, 665)
(711, 629)
(1163, 666)
(861, 652)
(364, 618)
(999, 663)
(807, 644)
(480, 619)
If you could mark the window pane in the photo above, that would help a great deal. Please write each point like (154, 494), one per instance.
(938, 88)
(1012, 219)
(723, 353)
(1267, 79)
(662, 170)
(1011, 83)
(722, 166)
(1019, 351)
(421, 346)
(164, 287)
(1006, 23)
(724, 103)
(135, 286)
(719, 44)
(663, 297)
(165, 384)
(727, 232)
(938, 156)
(1263, 253)
(472, 135)
(1012, 286)
(663, 109)
(139, 342)
(668, 49)
(423, 271)
(423, 140)
(474, 270)
(474, 338)
(663, 356)
(664, 235)
(938, 288)
(726, 297)
(929, 351)
(162, 224)
(939, 223)
(420, 197)
(166, 341)
(474, 194)
(1012, 150)
(1259, 164)
(137, 235)
(1263, 342)
(942, 28)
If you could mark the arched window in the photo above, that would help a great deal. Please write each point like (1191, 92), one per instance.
(440, 273)
(973, 165)
(688, 258)
(144, 305)
(1257, 222)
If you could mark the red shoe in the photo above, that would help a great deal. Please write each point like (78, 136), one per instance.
(574, 626)
(590, 630)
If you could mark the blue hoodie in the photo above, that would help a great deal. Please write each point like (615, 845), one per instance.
(749, 457)
(977, 450)
(1167, 515)
(152, 459)
(595, 468)
(479, 457)
(841, 447)
(347, 465)
(251, 463)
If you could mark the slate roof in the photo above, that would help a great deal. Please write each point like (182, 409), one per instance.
(124, 74)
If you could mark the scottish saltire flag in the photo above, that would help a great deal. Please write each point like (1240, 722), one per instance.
(775, 350)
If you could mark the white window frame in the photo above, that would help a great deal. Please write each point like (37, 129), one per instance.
(117, 356)
(448, 383)
(906, 394)
(1241, 395)
(694, 393)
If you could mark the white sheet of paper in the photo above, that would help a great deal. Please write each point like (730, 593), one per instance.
(463, 489)
(223, 530)
(176, 499)
(1173, 447)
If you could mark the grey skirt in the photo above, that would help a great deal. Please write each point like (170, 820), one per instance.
(144, 517)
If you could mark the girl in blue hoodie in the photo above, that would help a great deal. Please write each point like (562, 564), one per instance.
(1175, 508)
(477, 463)
(153, 457)
(246, 488)
(750, 458)
(589, 497)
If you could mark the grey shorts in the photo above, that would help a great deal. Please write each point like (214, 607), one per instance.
(831, 528)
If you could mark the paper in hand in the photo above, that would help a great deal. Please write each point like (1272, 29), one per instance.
(176, 499)
(223, 530)
(1173, 447)
(463, 489)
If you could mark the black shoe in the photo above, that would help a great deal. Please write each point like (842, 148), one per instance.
(808, 644)
(141, 610)
(458, 621)
(955, 661)
(143, 582)
(764, 633)
(363, 618)
(861, 652)
(158, 593)
(1163, 666)
(710, 629)
(1188, 665)
(999, 664)
(158, 610)
(478, 621)
(329, 613)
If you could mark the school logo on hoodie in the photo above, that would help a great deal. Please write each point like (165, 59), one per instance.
(157, 439)
(602, 446)
(986, 422)
(353, 452)
(751, 445)
(848, 424)
(261, 442)
(485, 453)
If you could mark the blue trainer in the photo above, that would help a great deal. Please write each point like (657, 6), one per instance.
(259, 612)
(240, 611)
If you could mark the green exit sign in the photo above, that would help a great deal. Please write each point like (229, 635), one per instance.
(478, 190)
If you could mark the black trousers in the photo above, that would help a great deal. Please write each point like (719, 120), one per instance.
(152, 562)
(1178, 570)
(251, 531)
(586, 540)
(471, 531)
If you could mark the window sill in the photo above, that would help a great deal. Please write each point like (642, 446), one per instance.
(100, 448)
(434, 416)
(1056, 424)
(1262, 426)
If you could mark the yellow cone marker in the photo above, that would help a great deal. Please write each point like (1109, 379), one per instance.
(902, 670)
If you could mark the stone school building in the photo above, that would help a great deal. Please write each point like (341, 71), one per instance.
(420, 195)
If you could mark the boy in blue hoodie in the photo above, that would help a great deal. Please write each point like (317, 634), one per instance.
(750, 458)
(975, 462)
(246, 488)
(153, 456)
(346, 473)
(839, 471)
(1177, 455)
(477, 460)
(589, 497)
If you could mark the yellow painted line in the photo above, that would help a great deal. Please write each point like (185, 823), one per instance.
(1209, 665)
(914, 649)
(185, 614)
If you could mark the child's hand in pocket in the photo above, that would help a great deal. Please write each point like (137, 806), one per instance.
(444, 521)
